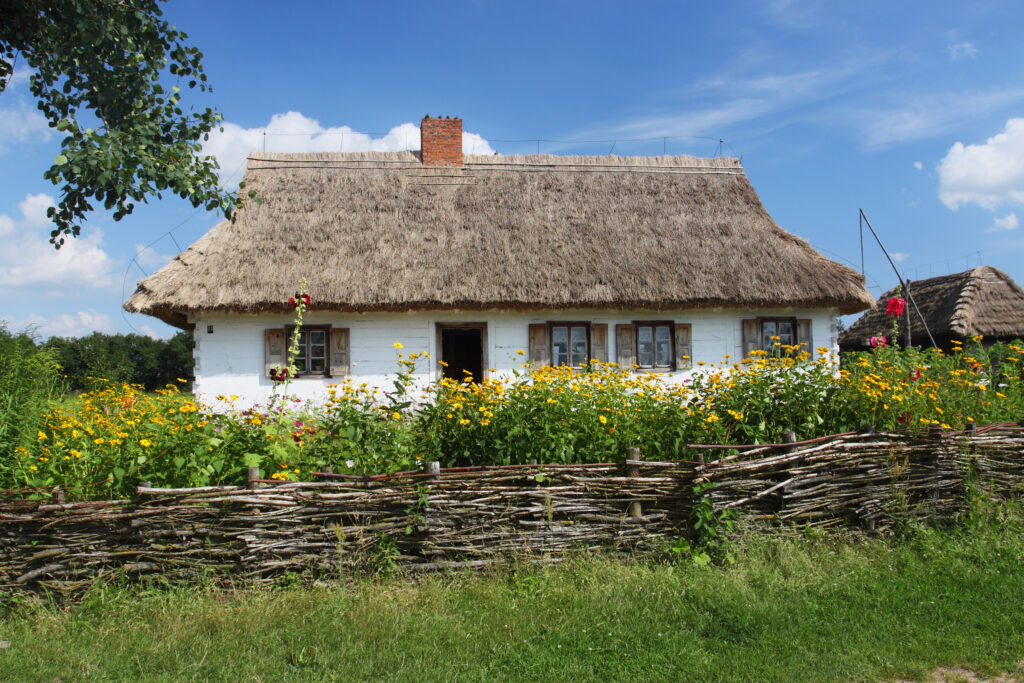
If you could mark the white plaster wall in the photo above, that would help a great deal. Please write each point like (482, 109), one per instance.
(229, 347)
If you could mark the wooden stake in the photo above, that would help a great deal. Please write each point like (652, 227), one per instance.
(434, 469)
(251, 475)
(635, 509)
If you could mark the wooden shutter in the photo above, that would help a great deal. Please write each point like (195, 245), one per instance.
(540, 345)
(625, 346)
(751, 336)
(803, 335)
(275, 349)
(339, 352)
(599, 342)
(684, 346)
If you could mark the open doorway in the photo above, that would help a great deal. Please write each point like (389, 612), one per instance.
(462, 348)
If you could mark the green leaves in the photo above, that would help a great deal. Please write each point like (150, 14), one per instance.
(112, 59)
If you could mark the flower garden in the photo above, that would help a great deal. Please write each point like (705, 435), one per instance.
(101, 443)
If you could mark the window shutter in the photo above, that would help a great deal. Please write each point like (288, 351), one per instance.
(540, 345)
(275, 350)
(599, 342)
(339, 357)
(803, 335)
(684, 346)
(625, 346)
(751, 336)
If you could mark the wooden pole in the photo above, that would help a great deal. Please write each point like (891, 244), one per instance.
(251, 475)
(789, 436)
(434, 470)
(635, 510)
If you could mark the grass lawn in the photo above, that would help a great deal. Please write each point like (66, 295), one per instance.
(791, 607)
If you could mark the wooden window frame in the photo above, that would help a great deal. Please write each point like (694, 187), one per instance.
(552, 324)
(304, 372)
(654, 324)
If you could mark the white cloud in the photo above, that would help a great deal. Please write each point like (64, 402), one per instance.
(150, 259)
(962, 51)
(29, 261)
(294, 132)
(899, 257)
(1005, 223)
(918, 165)
(149, 332)
(21, 124)
(989, 175)
(918, 117)
(66, 324)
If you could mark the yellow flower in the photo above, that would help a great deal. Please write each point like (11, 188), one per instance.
(398, 345)
(145, 443)
(183, 381)
(396, 415)
(98, 440)
(463, 422)
(551, 400)
(520, 352)
(42, 437)
(32, 467)
(485, 422)
(603, 419)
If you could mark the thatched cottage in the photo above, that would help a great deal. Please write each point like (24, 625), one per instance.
(983, 301)
(655, 262)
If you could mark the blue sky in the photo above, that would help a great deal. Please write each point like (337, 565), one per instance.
(912, 111)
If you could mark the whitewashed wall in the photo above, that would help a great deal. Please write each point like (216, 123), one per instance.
(229, 347)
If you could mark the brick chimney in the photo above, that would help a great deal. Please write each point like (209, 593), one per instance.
(441, 141)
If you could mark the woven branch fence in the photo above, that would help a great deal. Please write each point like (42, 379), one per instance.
(467, 517)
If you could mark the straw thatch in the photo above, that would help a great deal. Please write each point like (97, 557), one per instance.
(983, 301)
(380, 231)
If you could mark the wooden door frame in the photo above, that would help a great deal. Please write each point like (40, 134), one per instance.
(439, 327)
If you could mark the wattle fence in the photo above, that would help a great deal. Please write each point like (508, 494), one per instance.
(469, 517)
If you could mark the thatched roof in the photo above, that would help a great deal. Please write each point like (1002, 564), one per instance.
(982, 301)
(380, 231)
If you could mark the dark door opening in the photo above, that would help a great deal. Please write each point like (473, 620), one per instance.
(462, 350)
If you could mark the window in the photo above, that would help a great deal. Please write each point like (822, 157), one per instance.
(312, 356)
(654, 346)
(568, 343)
(764, 333)
(323, 351)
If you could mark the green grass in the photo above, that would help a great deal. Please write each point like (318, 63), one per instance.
(798, 607)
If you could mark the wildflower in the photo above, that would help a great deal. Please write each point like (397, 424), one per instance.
(145, 443)
(463, 421)
(520, 352)
(398, 345)
(183, 381)
(98, 440)
(485, 422)
(895, 306)
(32, 467)
(42, 437)
(603, 419)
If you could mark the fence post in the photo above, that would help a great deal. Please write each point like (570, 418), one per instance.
(434, 470)
(789, 436)
(635, 509)
(58, 496)
(251, 475)
(867, 429)
(143, 485)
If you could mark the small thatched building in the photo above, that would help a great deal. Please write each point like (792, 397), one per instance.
(983, 301)
(651, 261)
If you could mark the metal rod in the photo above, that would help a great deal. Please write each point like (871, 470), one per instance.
(864, 218)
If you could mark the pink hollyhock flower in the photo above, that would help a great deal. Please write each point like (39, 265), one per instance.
(877, 341)
(895, 306)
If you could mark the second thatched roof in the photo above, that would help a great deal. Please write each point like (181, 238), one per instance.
(983, 301)
(380, 231)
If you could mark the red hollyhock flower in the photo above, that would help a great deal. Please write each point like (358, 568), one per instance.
(915, 375)
(291, 301)
(305, 299)
(904, 418)
(895, 306)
